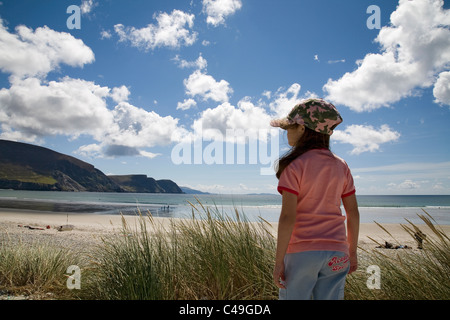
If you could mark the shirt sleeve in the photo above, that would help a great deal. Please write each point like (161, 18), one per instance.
(289, 181)
(349, 187)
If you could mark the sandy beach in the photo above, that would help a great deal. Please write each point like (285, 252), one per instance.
(85, 230)
(88, 229)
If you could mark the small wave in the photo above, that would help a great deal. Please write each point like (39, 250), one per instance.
(438, 207)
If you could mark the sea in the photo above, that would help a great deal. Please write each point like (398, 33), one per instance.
(373, 208)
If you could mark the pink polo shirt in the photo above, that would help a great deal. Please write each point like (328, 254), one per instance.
(320, 179)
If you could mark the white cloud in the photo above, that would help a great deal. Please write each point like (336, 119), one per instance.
(441, 89)
(170, 31)
(68, 107)
(365, 138)
(267, 94)
(405, 178)
(105, 34)
(336, 61)
(91, 150)
(284, 100)
(438, 186)
(214, 122)
(32, 109)
(199, 64)
(404, 185)
(218, 10)
(136, 127)
(120, 94)
(415, 47)
(186, 104)
(408, 184)
(36, 53)
(149, 155)
(87, 6)
(206, 87)
(132, 130)
(214, 188)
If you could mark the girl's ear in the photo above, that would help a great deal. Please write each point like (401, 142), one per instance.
(301, 129)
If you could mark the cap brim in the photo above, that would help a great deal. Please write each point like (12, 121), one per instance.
(278, 123)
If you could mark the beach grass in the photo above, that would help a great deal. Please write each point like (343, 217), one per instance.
(214, 255)
(405, 274)
(36, 269)
(209, 256)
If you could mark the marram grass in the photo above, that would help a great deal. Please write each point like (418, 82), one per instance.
(406, 274)
(212, 255)
(35, 269)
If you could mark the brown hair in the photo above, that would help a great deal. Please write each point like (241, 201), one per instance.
(308, 141)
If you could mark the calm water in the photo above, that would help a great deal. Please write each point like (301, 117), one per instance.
(383, 209)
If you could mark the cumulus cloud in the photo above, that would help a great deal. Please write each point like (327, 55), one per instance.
(186, 104)
(218, 10)
(120, 94)
(36, 53)
(247, 117)
(33, 108)
(172, 30)
(441, 89)
(131, 132)
(414, 48)
(214, 122)
(365, 138)
(284, 101)
(206, 87)
(68, 107)
(137, 127)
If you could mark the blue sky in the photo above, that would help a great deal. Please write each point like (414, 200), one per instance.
(142, 80)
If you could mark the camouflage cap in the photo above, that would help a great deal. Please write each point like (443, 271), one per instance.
(315, 114)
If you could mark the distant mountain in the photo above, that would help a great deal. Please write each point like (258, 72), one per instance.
(29, 167)
(143, 184)
(192, 191)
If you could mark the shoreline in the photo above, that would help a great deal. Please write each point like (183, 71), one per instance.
(383, 215)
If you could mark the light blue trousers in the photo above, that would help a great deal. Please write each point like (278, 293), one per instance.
(318, 275)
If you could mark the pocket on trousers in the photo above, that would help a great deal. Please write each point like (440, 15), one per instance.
(339, 263)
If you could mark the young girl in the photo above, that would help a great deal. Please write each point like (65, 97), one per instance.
(315, 251)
